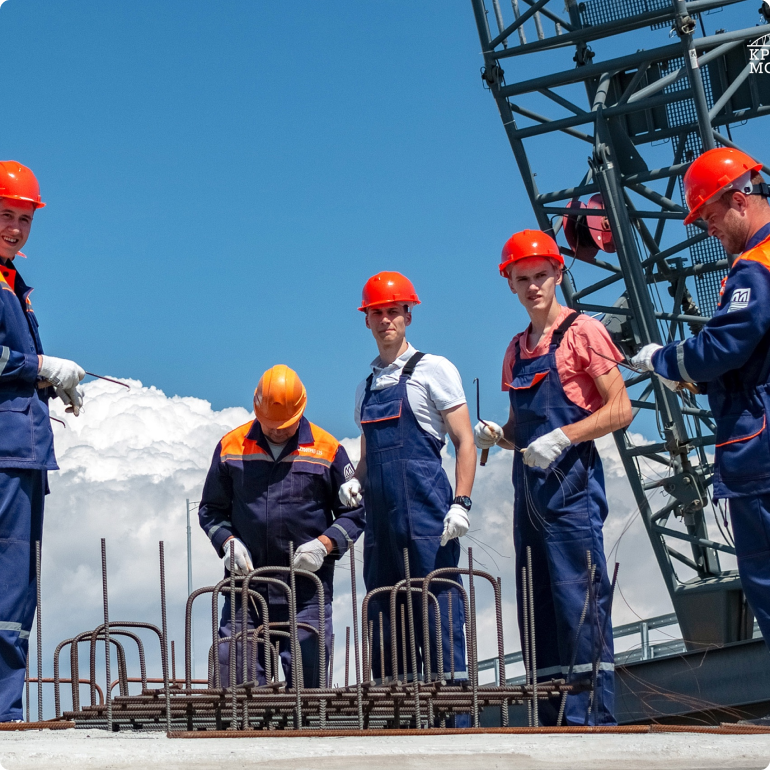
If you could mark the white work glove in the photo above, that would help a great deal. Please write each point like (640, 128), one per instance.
(64, 375)
(73, 399)
(487, 434)
(310, 556)
(542, 452)
(350, 493)
(456, 523)
(243, 564)
(643, 361)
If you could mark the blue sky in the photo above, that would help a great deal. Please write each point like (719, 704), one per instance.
(223, 177)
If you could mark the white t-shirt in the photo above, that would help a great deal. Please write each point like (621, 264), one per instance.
(435, 386)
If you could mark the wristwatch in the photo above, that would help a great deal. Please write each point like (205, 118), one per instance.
(463, 501)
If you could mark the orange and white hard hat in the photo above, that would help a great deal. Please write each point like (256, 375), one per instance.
(526, 244)
(387, 288)
(713, 174)
(19, 183)
(280, 398)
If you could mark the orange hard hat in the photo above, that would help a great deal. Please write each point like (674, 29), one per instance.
(387, 288)
(280, 398)
(714, 173)
(526, 244)
(19, 183)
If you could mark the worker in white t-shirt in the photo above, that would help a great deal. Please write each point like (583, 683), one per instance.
(405, 408)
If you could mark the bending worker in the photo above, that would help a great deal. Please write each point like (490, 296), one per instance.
(26, 438)
(564, 393)
(404, 409)
(730, 357)
(274, 481)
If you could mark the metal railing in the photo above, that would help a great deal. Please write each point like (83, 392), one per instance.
(645, 650)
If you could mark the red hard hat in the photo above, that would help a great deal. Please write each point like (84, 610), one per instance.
(387, 288)
(528, 243)
(19, 183)
(280, 398)
(714, 173)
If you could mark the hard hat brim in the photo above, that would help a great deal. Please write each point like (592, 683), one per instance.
(36, 204)
(279, 425)
(383, 302)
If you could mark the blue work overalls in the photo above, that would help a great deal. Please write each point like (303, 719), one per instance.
(559, 513)
(407, 494)
(26, 456)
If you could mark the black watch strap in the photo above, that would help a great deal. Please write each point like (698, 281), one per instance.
(463, 501)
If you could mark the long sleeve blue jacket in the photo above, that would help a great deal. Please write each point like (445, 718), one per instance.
(730, 359)
(268, 502)
(26, 438)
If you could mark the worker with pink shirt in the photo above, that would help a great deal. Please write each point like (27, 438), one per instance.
(564, 393)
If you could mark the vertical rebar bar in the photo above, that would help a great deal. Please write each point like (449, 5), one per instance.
(525, 636)
(173, 663)
(403, 643)
(164, 632)
(369, 660)
(451, 635)
(382, 652)
(107, 693)
(501, 646)
(190, 588)
(233, 657)
(596, 637)
(347, 655)
(473, 662)
(296, 662)
(330, 666)
(412, 642)
(356, 650)
(614, 582)
(533, 651)
(38, 571)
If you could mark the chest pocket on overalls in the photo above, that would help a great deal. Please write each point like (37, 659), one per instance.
(742, 445)
(307, 481)
(531, 396)
(382, 419)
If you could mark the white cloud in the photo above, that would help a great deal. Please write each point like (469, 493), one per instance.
(130, 461)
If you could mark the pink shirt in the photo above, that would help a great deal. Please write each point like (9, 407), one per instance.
(577, 363)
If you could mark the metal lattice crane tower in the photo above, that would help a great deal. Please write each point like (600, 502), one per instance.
(683, 92)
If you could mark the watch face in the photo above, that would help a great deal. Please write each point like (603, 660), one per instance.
(464, 501)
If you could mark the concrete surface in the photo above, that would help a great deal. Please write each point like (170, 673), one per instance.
(65, 750)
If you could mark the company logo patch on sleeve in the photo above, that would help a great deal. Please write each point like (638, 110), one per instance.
(349, 472)
(739, 300)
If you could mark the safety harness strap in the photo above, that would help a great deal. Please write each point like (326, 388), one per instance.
(558, 335)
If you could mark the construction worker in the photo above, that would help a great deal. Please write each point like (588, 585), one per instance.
(275, 481)
(730, 357)
(28, 379)
(564, 393)
(404, 409)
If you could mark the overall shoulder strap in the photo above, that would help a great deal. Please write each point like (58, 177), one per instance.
(411, 365)
(559, 333)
